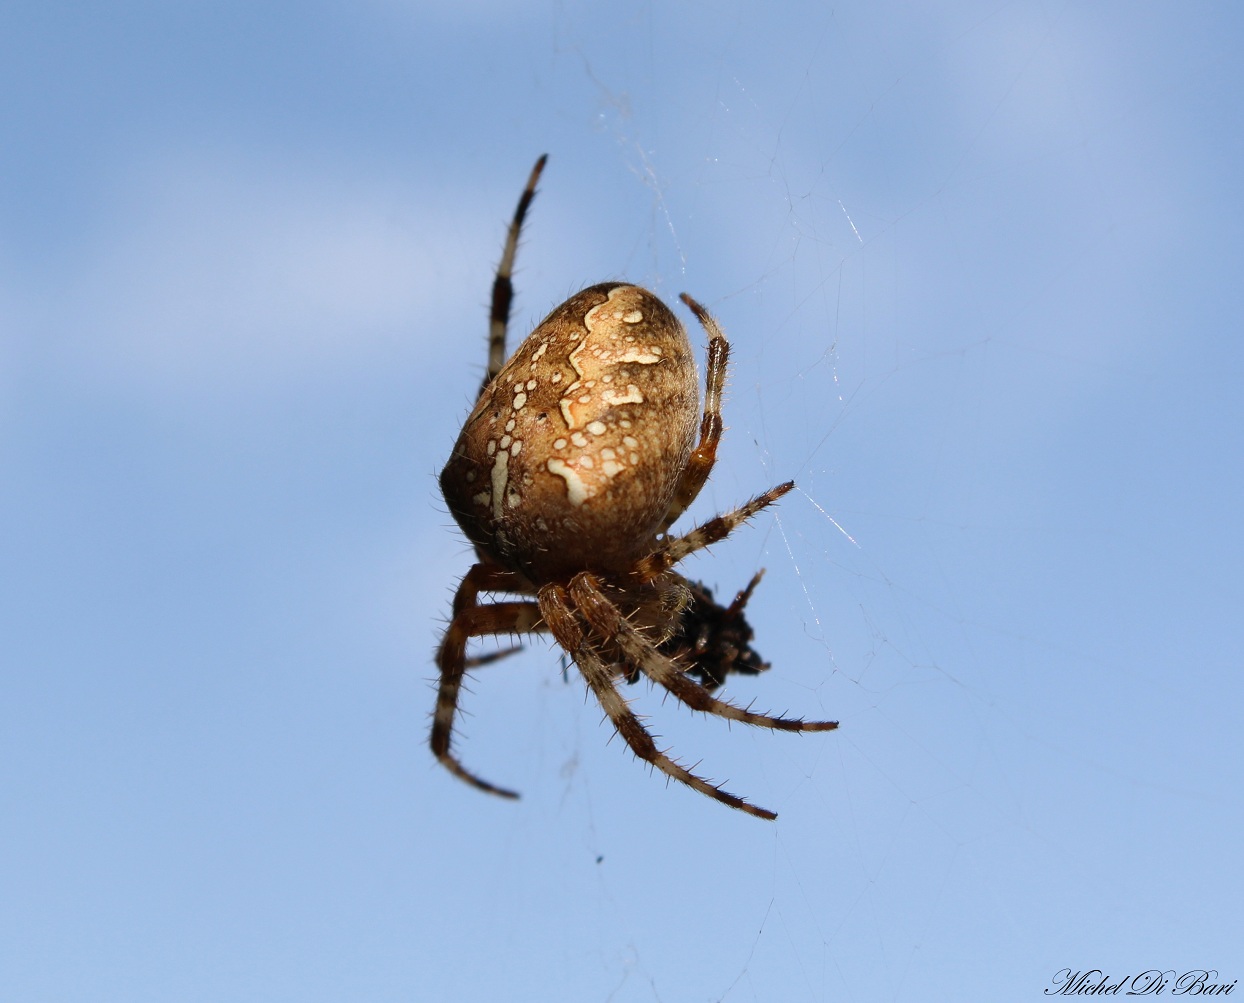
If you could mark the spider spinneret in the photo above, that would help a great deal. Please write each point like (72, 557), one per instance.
(581, 451)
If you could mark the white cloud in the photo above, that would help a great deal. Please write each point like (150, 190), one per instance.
(240, 270)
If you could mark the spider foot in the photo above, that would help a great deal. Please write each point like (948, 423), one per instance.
(674, 770)
(462, 773)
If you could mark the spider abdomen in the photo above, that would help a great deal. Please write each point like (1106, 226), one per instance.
(572, 455)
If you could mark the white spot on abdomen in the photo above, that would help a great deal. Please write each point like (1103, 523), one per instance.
(500, 474)
(576, 490)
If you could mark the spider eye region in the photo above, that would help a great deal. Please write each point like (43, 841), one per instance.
(573, 453)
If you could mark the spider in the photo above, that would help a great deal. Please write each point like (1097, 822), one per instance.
(580, 453)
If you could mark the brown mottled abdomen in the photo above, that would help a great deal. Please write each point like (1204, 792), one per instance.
(582, 436)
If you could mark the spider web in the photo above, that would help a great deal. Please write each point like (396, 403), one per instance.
(889, 364)
(815, 372)
(978, 263)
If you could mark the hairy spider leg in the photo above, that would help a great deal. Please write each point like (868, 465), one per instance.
(503, 285)
(704, 456)
(473, 620)
(675, 549)
(606, 621)
(556, 605)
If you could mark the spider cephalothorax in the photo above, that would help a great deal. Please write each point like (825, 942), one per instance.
(581, 451)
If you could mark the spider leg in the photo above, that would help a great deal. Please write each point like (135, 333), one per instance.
(493, 656)
(704, 456)
(555, 604)
(502, 285)
(673, 550)
(607, 621)
(471, 620)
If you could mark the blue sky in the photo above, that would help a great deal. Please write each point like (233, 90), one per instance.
(975, 260)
